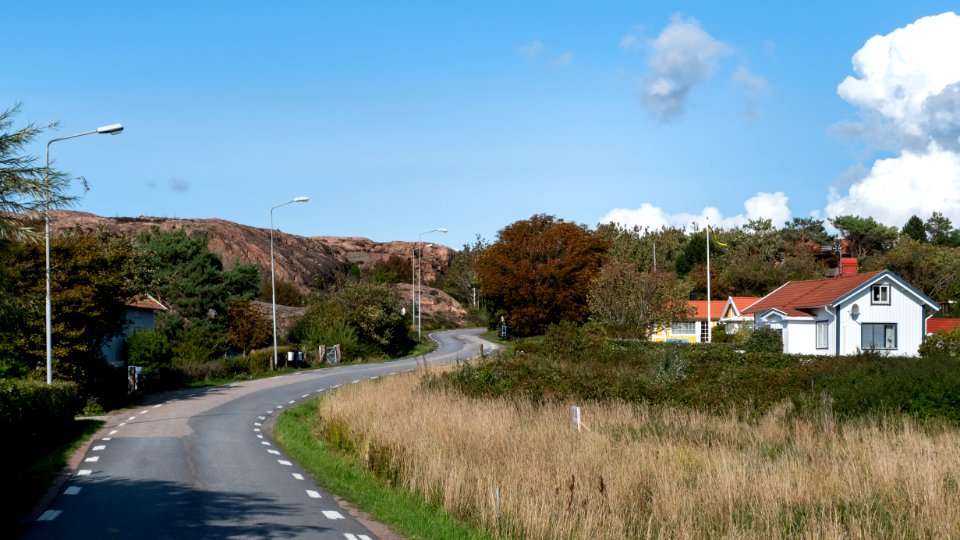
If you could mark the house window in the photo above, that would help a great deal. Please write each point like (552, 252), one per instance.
(683, 328)
(881, 336)
(823, 332)
(880, 294)
(704, 332)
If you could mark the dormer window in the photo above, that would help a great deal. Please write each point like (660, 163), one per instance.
(880, 294)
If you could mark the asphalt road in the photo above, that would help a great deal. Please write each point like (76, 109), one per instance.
(197, 464)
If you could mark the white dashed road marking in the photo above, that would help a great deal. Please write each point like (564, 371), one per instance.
(291, 402)
(49, 515)
(304, 396)
(257, 424)
(84, 472)
(106, 439)
(313, 494)
(93, 459)
(72, 490)
(274, 452)
(114, 432)
(333, 514)
(285, 462)
(298, 476)
(99, 447)
(131, 418)
(265, 443)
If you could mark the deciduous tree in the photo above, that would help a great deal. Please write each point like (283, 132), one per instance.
(247, 327)
(89, 287)
(632, 302)
(539, 272)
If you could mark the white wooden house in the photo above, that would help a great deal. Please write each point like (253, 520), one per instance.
(140, 316)
(843, 315)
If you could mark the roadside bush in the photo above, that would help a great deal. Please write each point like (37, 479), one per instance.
(942, 343)
(217, 369)
(148, 349)
(32, 412)
(198, 344)
(569, 340)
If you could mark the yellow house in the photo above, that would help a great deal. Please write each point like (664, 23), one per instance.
(694, 329)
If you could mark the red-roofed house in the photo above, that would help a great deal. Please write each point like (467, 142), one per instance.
(844, 315)
(694, 329)
(736, 313)
(942, 325)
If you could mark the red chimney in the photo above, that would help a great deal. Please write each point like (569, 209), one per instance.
(848, 266)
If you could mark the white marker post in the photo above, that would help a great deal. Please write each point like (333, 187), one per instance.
(576, 417)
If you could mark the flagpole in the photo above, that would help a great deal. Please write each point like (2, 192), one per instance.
(709, 319)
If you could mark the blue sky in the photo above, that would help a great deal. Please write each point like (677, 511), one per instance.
(397, 118)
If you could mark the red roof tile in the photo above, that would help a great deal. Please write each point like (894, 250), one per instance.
(795, 296)
(743, 302)
(147, 302)
(700, 309)
(942, 325)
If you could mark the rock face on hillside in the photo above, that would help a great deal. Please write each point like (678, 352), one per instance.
(303, 261)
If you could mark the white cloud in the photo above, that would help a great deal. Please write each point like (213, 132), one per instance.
(907, 86)
(754, 87)
(531, 51)
(910, 184)
(772, 206)
(564, 59)
(912, 79)
(680, 58)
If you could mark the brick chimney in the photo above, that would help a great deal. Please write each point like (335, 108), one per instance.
(848, 266)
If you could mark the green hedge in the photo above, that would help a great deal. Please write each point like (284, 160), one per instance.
(32, 412)
(718, 376)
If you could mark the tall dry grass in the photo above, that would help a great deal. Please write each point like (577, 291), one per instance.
(641, 472)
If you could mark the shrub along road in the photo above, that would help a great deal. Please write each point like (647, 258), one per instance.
(196, 464)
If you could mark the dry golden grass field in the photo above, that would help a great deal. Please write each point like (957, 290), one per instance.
(644, 472)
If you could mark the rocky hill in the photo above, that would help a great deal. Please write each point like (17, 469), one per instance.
(303, 261)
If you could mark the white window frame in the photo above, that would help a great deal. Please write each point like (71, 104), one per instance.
(823, 334)
(880, 295)
(885, 327)
(675, 332)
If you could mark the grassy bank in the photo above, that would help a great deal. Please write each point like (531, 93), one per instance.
(39, 467)
(644, 471)
(297, 432)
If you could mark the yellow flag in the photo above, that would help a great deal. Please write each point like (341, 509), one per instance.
(719, 243)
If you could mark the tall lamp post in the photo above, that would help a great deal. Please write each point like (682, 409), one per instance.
(112, 129)
(418, 293)
(273, 282)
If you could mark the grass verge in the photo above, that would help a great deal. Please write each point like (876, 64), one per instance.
(402, 512)
(31, 481)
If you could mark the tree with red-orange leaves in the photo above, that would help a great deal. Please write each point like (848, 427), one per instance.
(539, 271)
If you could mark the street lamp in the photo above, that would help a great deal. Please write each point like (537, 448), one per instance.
(418, 292)
(273, 284)
(112, 129)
